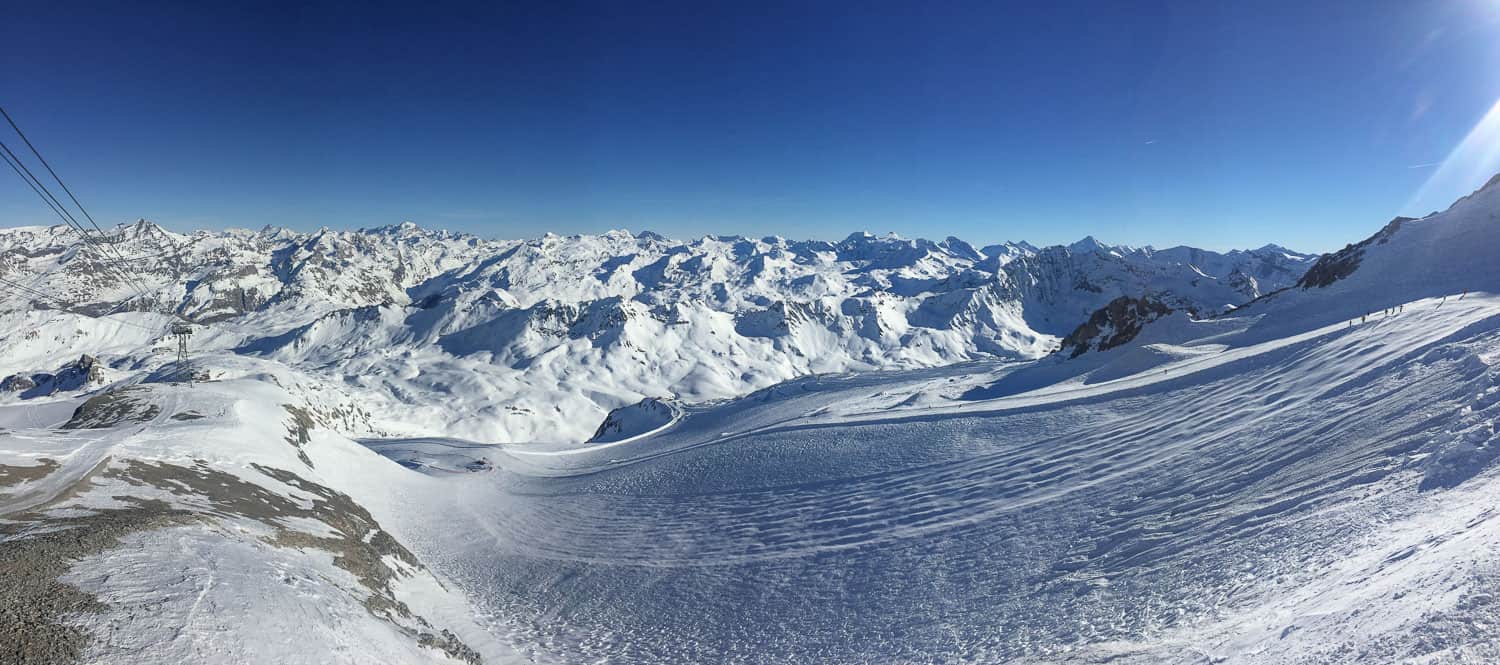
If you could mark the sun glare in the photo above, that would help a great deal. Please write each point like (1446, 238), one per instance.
(1468, 166)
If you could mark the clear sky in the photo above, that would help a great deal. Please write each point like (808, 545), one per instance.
(1206, 122)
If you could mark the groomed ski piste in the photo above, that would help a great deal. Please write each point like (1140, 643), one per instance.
(1309, 478)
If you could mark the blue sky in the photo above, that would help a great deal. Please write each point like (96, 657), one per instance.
(1215, 124)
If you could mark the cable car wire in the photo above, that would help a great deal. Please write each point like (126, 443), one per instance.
(58, 304)
(40, 188)
(56, 177)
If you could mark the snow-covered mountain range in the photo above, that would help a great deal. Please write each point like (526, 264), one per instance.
(402, 318)
(1307, 477)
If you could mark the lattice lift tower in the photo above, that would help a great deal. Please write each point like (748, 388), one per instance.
(184, 368)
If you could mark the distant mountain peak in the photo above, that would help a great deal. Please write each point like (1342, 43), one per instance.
(407, 227)
(1088, 244)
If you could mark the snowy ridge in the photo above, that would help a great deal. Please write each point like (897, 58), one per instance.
(1261, 487)
(1443, 255)
(643, 418)
(1308, 477)
(410, 317)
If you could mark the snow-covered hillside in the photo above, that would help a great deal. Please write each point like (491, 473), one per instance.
(161, 523)
(1283, 484)
(1306, 478)
(412, 323)
(1324, 497)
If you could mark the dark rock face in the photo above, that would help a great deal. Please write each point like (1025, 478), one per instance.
(1244, 284)
(1114, 324)
(1333, 267)
(780, 318)
(16, 383)
(638, 418)
(113, 408)
(75, 375)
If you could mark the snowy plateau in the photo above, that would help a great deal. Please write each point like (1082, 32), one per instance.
(401, 445)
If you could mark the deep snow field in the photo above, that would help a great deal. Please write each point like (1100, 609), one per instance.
(1307, 478)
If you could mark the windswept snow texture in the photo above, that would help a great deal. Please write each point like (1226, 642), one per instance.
(1308, 477)
(1322, 497)
(442, 334)
(1280, 485)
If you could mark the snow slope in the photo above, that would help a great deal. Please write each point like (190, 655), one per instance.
(1322, 497)
(1277, 485)
(159, 523)
(1305, 478)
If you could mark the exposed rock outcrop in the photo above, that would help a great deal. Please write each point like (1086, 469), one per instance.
(1112, 325)
(1333, 267)
(76, 375)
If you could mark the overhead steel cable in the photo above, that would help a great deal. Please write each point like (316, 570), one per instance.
(26, 290)
(67, 216)
(14, 167)
(99, 245)
(58, 304)
(46, 194)
(56, 177)
(121, 265)
(17, 169)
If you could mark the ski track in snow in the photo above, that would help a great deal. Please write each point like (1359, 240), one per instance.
(1308, 478)
(1132, 513)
